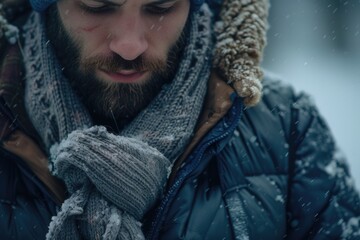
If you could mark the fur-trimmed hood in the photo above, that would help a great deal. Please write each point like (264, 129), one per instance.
(241, 29)
(240, 40)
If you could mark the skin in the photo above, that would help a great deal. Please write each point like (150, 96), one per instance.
(128, 28)
(117, 54)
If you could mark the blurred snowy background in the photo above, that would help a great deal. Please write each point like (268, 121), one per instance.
(315, 45)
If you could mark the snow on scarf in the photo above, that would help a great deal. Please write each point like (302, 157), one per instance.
(112, 179)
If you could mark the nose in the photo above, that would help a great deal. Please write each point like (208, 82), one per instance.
(129, 39)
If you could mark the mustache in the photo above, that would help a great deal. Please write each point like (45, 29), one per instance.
(115, 63)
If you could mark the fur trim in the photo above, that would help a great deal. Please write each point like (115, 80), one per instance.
(240, 40)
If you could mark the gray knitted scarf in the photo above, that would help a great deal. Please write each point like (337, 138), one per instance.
(112, 180)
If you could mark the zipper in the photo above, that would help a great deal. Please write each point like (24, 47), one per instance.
(193, 162)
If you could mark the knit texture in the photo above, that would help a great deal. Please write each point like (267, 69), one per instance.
(112, 179)
(240, 41)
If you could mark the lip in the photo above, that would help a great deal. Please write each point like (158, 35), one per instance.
(124, 76)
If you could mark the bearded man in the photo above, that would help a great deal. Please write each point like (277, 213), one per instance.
(134, 119)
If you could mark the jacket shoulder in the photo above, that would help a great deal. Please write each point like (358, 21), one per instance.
(270, 121)
(275, 88)
(281, 103)
(322, 201)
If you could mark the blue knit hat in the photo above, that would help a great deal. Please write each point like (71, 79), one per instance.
(42, 5)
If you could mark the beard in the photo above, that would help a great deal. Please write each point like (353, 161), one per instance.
(109, 104)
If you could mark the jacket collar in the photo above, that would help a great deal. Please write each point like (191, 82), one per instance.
(12, 90)
(216, 105)
(23, 141)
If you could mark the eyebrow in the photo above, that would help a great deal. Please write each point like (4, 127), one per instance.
(110, 2)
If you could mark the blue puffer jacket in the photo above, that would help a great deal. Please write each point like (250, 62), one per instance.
(267, 172)
(277, 170)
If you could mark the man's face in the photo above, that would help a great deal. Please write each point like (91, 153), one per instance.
(117, 53)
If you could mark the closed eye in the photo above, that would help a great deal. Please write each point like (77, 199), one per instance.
(158, 10)
(97, 8)
(161, 7)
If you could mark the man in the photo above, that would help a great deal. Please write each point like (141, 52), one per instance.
(145, 138)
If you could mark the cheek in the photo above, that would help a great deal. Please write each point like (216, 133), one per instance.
(165, 33)
(165, 30)
(86, 32)
(91, 39)
(75, 18)
(94, 41)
